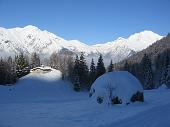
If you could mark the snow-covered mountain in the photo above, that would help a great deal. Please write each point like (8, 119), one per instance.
(142, 40)
(31, 39)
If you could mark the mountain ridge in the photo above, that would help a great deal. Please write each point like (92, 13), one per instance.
(32, 39)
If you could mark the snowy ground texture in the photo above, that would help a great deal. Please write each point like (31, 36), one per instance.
(47, 102)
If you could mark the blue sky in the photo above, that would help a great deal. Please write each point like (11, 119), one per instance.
(90, 21)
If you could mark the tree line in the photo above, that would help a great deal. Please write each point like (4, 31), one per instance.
(12, 69)
(83, 77)
(75, 69)
(151, 73)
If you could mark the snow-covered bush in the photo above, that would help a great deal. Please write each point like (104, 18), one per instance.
(77, 87)
(163, 87)
(99, 100)
(137, 97)
(116, 100)
(118, 87)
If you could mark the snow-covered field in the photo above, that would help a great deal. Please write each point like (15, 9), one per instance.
(41, 101)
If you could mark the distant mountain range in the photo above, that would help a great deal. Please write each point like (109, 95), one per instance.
(31, 39)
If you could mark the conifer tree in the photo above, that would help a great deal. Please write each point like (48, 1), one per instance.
(83, 71)
(126, 66)
(147, 72)
(35, 60)
(100, 69)
(22, 62)
(92, 73)
(9, 60)
(76, 66)
(110, 68)
(168, 77)
(7, 75)
(22, 65)
(70, 69)
(12, 70)
(76, 74)
(165, 68)
(2, 71)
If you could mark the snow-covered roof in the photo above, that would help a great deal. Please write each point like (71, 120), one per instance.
(122, 83)
(53, 74)
(43, 68)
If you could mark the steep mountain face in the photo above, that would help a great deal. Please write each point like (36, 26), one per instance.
(31, 39)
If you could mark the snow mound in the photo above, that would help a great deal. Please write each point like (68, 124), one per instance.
(38, 87)
(121, 84)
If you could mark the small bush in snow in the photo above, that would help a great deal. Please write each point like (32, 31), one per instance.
(91, 92)
(99, 100)
(116, 100)
(137, 97)
(77, 87)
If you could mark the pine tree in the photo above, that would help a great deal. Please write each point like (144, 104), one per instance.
(76, 66)
(70, 68)
(76, 74)
(35, 60)
(10, 62)
(165, 68)
(100, 69)
(2, 72)
(12, 76)
(83, 72)
(147, 72)
(7, 75)
(168, 77)
(110, 68)
(22, 64)
(13, 73)
(92, 73)
(126, 66)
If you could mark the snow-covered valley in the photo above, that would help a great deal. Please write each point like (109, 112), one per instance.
(41, 101)
(84, 63)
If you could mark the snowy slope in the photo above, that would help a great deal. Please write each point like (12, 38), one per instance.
(31, 39)
(40, 100)
(37, 87)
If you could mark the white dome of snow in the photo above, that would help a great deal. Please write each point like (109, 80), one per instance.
(121, 84)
